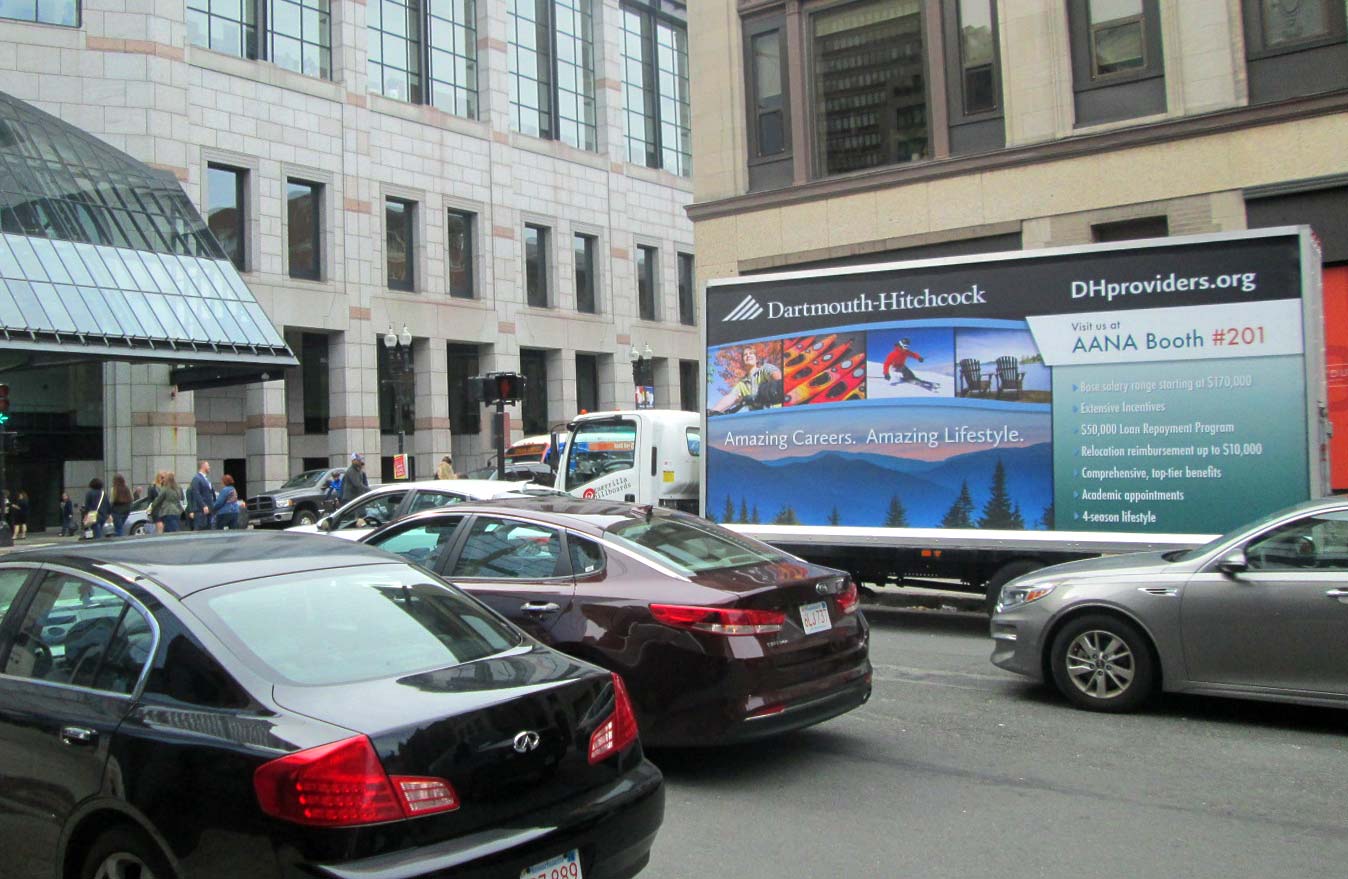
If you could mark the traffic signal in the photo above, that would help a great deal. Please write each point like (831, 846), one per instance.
(502, 386)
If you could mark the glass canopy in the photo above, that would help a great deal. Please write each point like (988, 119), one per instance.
(104, 256)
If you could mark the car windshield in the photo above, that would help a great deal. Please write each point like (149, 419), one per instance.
(1199, 551)
(351, 624)
(304, 480)
(689, 546)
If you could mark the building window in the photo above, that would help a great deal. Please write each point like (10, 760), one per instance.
(1295, 24)
(551, 61)
(304, 228)
(1118, 42)
(978, 56)
(298, 32)
(870, 82)
(226, 211)
(534, 409)
(688, 385)
(587, 383)
(396, 385)
(465, 415)
(536, 266)
(646, 257)
(1294, 48)
(459, 228)
(64, 12)
(1131, 230)
(314, 370)
(687, 288)
(655, 89)
(408, 37)
(399, 240)
(1117, 65)
(584, 246)
(769, 130)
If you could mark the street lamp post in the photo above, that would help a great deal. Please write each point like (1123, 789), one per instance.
(643, 367)
(399, 347)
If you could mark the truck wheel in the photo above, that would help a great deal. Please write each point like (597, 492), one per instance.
(1005, 574)
(1103, 663)
(305, 516)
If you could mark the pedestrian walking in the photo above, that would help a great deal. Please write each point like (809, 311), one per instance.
(354, 483)
(121, 504)
(20, 516)
(332, 491)
(166, 510)
(445, 470)
(97, 508)
(67, 515)
(226, 507)
(201, 497)
(153, 488)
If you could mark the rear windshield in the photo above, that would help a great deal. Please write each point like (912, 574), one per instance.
(690, 546)
(351, 624)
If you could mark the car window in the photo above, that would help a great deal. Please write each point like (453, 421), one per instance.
(694, 438)
(586, 556)
(79, 633)
(507, 549)
(11, 581)
(1317, 542)
(433, 500)
(422, 544)
(351, 624)
(689, 545)
(375, 511)
(600, 449)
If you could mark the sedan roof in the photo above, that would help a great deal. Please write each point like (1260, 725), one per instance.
(560, 509)
(187, 563)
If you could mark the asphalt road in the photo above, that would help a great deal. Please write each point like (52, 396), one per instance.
(957, 769)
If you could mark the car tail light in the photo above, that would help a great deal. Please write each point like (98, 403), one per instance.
(620, 728)
(719, 620)
(343, 784)
(849, 599)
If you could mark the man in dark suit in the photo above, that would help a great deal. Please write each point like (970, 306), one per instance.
(201, 497)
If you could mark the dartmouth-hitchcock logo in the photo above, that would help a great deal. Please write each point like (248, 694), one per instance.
(746, 310)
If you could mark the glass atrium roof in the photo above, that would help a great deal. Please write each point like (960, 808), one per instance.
(101, 255)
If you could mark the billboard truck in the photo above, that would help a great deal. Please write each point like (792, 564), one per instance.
(959, 422)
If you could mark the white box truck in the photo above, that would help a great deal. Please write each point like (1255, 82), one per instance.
(962, 421)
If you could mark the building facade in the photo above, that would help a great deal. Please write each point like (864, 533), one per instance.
(504, 180)
(883, 129)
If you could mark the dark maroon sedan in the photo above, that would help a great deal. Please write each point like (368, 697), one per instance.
(719, 637)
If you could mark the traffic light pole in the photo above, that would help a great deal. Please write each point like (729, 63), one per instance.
(500, 439)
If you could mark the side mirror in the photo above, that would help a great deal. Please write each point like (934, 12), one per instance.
(324, 524)
(1233, 562)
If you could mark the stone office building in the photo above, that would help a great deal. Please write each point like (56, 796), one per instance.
(880, 130)
(505, 179)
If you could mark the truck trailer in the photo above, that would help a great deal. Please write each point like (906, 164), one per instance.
(959, 422)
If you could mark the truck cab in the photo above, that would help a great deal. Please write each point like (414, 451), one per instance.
(647, 456)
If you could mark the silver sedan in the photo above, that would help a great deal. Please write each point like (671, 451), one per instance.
(1259, 613)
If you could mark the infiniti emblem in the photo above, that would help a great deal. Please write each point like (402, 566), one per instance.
(821, 588)
(526, 741)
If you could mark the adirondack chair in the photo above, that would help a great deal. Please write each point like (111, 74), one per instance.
(972, 379)
(1009, 376)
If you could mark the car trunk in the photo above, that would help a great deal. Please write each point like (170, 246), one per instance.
(462, 724)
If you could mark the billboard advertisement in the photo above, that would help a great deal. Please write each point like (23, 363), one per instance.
(1157, 389)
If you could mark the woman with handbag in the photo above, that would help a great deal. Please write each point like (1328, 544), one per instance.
(97, 508)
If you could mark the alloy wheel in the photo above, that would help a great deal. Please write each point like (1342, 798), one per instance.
(123, 865)
(1100, 664)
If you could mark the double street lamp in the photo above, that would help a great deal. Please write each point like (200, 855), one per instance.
(643, 376)
(399, 347)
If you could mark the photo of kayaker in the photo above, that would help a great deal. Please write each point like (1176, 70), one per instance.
(745, 377)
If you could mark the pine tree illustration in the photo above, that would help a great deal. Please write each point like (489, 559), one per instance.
(786, 517)
(834, 517)
(744, 511)
(753, 517)
(960, 514)
(897, 516)
(1046, 518)
(729, 515)
(998, 512)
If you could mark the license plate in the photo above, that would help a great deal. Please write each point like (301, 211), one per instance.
(565, 866)
(814, 617)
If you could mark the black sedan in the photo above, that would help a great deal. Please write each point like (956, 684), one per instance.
(719, 637)
(272, 705)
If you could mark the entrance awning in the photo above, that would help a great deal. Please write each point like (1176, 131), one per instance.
(104, 257)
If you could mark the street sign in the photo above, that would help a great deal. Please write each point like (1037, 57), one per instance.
(399, 466)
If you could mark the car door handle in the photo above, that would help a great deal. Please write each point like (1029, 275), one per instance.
(1339, 594)
(78, 735)
(540, 607)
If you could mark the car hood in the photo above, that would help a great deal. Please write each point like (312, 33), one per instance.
(344, 534)
(290, 492)
(1109, 566)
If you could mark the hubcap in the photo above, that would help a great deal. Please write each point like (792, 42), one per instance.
(1100, 664)
(123, 866)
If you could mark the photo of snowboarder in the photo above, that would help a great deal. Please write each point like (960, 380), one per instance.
(915, 362)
